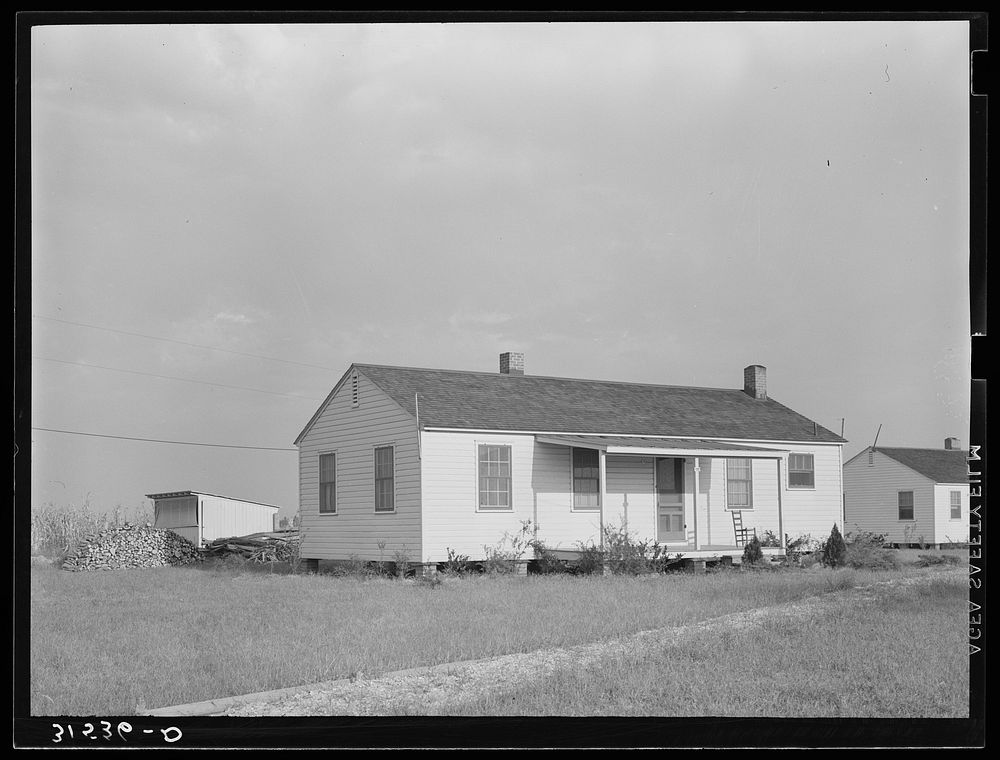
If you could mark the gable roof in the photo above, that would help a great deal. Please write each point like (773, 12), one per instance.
(940, 465)
(495, 401)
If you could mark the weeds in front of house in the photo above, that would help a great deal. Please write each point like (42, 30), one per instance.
(866, 550)
(937, 560)
(504, 556)
(623, 553)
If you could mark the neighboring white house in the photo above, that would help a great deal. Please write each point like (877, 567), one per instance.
(201, 517)
(424, 461)
(910, 495)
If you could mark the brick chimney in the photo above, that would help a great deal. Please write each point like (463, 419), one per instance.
(952, 444)
(511, 363)
(755, 381)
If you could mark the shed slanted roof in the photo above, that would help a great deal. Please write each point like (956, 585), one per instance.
(177, 494)
(940, 465)
(493, 401)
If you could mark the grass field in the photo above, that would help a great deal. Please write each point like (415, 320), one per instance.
(105, 643)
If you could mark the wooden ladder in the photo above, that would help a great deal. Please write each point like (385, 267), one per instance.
(742, 533)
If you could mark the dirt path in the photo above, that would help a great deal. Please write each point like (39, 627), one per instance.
(438, 690)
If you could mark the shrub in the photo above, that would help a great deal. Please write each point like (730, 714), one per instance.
(770, 539)
(929, 560)
(457, 564)
(865, 550)
(804, 545)
(504, 556)
(546, 562)
(401, 563)
(834, 549)
(590, 560)
(752, 554)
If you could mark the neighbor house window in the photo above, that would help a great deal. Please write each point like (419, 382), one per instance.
(905, 501)
(801, 473)
(385, 500)
(494, 476)
(328, 483)
(586, 479)
(739, 488)
(956, 505)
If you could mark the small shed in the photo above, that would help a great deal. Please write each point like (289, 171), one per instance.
(200, 517)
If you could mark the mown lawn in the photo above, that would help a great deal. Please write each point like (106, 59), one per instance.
(103, 643)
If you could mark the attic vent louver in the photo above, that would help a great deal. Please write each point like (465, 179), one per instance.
(355, 390)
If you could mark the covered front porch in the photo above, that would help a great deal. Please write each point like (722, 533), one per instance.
(697, 497)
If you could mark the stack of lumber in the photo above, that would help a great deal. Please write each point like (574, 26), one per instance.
(276, 546)
(130, 546)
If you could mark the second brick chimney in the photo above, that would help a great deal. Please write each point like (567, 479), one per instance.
(755, 381)
(511, 363)
(952, 444)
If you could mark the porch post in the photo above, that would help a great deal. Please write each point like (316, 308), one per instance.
(602, 472)
(697, 471)
(781, 530)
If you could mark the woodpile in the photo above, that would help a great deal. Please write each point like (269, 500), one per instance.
(276, 546)
(130, 546)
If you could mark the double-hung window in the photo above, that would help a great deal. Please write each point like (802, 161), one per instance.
(494, 476)
(956, 505)
(586, 479)
(801, 471)
(385, 491)
(739, 484)
(328, 483)
(904, 501)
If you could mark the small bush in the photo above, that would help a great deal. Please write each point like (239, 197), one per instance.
(933, 560)
(457, 564)
(590, 560)
(770, 539)
(752, 554)
(546, 562)
(503, 557)
(834, 549)
(401, 563)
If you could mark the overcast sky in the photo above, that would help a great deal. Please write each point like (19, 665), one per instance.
(648, 202)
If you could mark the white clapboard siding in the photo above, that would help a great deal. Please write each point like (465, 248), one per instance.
(222, 517)
(352, 433)
(450, 486)
(871, 499)
(947, 528)
(809, 511)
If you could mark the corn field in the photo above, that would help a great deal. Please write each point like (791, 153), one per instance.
(56, 530)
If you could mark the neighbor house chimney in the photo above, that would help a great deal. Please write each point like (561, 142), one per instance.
(511, 363)
(755, 381)
(952, 444)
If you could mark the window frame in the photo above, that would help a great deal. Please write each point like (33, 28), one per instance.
(375, 477)
(951, 497)
(749, 480)
(899, 507)
(320, 481)
(812, 471)
(480, 507)
(573, 478)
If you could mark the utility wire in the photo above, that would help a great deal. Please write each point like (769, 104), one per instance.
(182, 342)
(181, 379)
(157, 440)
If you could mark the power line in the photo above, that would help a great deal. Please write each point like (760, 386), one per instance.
(168, 377)
(157, 440)
(183, 343)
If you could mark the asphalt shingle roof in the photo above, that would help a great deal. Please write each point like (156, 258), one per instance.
(940, 465)
(494, 401)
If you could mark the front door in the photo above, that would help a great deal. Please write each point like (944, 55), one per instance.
(670, 500)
